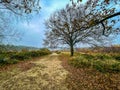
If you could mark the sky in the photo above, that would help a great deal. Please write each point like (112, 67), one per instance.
(33, 32)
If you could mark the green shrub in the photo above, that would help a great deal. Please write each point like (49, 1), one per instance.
(10, 61)
(98, 65)
(88, 56)
(103, 63)
(2, 61)
(26, 55)
(79, 62)
(103, 56)
(115, 67)
(107, 66)
(33, 54)
(117, 57)
(45, 51)
(14, 57)
(20, 56)
(14, 61)
(5, 61)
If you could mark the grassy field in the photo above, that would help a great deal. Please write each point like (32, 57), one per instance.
(84, 71)
(13, 57)
(92, 71)
(98, 61)
(45, 73)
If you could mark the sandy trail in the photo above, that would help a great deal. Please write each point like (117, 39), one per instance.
(47, 74)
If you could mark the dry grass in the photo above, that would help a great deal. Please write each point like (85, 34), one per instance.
(11, 70)
(42, 74)
(89, 79)
(22, 65)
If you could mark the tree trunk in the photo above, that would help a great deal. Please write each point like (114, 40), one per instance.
(71, 50)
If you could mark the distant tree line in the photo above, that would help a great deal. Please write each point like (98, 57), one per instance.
(5, 48)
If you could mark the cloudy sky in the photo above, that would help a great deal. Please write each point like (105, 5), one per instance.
(33, 32)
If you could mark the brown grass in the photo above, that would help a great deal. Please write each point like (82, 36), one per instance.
(89, 79)
(47, 74)
(23, 65)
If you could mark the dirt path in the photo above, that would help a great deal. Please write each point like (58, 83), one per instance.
(47, 74)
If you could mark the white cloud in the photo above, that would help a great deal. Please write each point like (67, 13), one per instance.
(34, 30)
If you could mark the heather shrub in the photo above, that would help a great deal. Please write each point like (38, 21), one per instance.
(103, 56)
(79, 62)
(14, 57)
(88, 56)
(4, 61)
(20, 56)
(116, 56)
(102, 63)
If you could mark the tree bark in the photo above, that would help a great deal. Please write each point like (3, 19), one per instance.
(71, 50)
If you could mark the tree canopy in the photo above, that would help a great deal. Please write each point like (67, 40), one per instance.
(9, 11)
(70, 26)
(20, 6)
(109, 8)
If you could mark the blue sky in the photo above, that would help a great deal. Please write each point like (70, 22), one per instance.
(33, 32)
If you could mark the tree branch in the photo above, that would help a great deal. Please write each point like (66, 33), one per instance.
(96, 22)
(111, 16)
(101, 21)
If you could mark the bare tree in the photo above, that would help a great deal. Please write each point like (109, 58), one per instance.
(110, 10)
(9, 12)
(20, 6)
(66, 27)
(8, 31)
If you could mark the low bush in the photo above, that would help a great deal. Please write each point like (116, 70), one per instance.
(100, 56)
(20, 56)
(102, 63)
(14, 57)
(5, 61)
(88, 56)
(107, 66)
(79, 62)
(58, 52)
(2, 61)
(88, 78)
(116, 56)
(103, 56)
